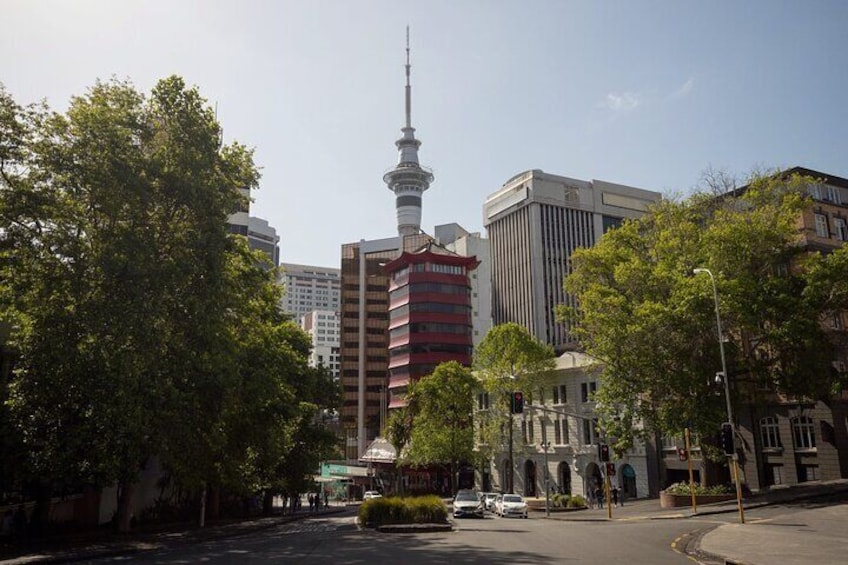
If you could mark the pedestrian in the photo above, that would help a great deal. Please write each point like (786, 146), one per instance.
(599, 496)
(615, 496)
(311, 500)
(326, 499)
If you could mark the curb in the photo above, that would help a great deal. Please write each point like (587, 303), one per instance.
(151, 543)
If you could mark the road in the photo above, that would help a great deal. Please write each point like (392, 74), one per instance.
(336, 539)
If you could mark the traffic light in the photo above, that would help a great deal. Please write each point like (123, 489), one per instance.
(682, 454)
(604, 452)
(517, 402)
(610, 469)
(726, 439)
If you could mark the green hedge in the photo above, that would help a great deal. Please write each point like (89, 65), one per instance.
(683, 488)
(395, 510)
(568, 501)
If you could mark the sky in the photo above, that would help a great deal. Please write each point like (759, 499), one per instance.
(647, 93)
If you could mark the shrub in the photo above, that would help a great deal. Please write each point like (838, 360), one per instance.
(395, 510)
(559, 500)
(700, 490)
(576, 501)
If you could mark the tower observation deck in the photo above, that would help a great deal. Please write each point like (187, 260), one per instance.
(408, 179)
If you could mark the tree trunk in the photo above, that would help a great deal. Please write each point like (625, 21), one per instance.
(203, 506)
(213, 502)
(126, 490)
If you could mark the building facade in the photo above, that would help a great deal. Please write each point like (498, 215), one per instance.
(534, 222)
(429, 315)
(309, 288)
(323, 327)
(557, 437)
(455, 238)
(785, 440)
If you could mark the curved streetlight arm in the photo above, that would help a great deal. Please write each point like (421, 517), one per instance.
(720, 345)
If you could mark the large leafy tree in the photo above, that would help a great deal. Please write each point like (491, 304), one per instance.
(508, 359)
(651, 321)
(141, 326)
(442, 407)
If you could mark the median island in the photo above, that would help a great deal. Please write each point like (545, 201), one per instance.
(405, 514)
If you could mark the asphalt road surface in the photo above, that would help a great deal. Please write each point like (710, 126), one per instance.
(337, 540)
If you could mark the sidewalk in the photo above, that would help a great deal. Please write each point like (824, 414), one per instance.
(97, 544)
(814, 533)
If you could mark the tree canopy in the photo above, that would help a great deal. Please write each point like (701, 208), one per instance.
(508, 359)
(141, 326)
(441, 405)
(651, 321)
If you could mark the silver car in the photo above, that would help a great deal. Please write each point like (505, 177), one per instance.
(467, 503)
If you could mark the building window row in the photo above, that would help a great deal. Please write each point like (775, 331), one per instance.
(431, 348)
(428, 327)
(429, 307)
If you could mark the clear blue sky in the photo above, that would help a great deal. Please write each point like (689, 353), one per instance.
(645, 93)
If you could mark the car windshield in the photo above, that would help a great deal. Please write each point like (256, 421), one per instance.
(466, 496)
(512, 498)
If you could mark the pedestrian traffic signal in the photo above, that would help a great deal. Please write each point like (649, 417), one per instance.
(610, 469)
(726, 439)
(682, 454)
(517, 402)
(605, 452)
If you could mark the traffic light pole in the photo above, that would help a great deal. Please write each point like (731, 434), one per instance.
(509, 474)
(691, 473)
(726, 380)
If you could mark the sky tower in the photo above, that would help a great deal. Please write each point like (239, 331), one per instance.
(408, 179)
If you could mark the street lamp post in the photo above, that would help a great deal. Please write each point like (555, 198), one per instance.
(545, 446)
(726, 380)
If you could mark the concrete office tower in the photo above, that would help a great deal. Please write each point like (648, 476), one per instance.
(263, 237)
(323, 327)
(535, 222)
(364, 336)
(408, 179)
(309, 288)
(455, 238)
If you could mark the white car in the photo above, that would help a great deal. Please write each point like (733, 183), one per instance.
(488, 499)
(511, 505)
(369, 494)
(467, 503)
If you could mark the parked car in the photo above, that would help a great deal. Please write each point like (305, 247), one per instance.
(369, 494)
(511, 505)
(467, 503)
(488, 499)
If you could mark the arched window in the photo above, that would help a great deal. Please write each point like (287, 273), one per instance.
(769, 433)
(804, 433)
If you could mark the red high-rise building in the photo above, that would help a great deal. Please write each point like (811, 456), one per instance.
(429, 315)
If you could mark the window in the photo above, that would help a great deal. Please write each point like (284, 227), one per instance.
(590, 431)
(564, 424)
(832, 194)
(777, 474)
(557, 433)
(808, 473)
(524, 431)
(769, 433)
(587, 390)
(530, 430)
(840, 229)
(803, 432)
(559, 394)
(821, 225)
(483, 401)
